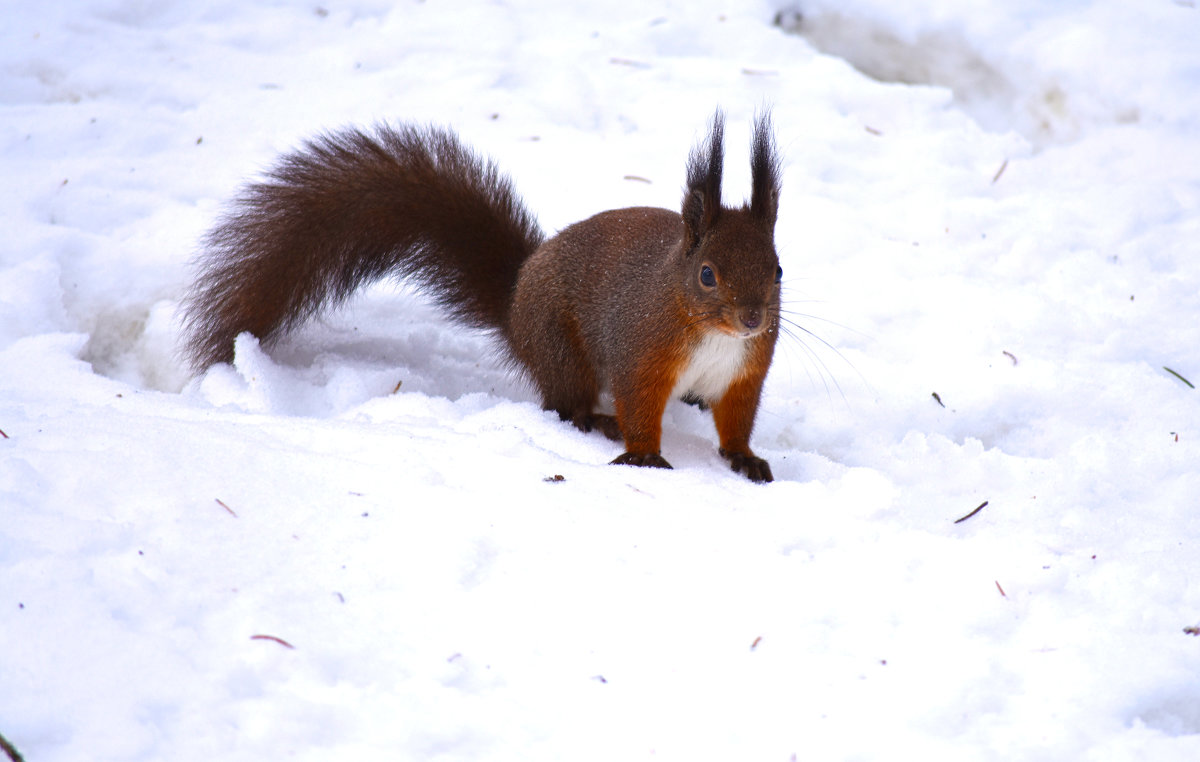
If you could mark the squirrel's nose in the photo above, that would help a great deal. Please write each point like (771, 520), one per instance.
(751, 319)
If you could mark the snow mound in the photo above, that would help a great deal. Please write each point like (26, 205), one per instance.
(1045, 72)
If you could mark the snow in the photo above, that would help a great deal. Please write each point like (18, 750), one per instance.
(993, 202)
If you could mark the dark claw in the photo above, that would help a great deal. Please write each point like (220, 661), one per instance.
(648, 459)
(752, 467)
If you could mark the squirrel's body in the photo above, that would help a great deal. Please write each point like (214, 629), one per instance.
(646, 304)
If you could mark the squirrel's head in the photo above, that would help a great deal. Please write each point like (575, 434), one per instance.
(733, 271)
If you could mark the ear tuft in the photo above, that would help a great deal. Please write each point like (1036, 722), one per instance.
(702, 198)
(764, 171)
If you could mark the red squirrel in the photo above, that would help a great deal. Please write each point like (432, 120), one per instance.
(644, 303)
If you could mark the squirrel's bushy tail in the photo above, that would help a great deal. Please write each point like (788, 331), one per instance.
(346, 210)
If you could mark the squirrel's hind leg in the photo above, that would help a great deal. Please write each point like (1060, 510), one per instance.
(605, 424)
(554, 355)
(576, 401)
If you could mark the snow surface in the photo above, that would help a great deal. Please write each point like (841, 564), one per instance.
(994, 202)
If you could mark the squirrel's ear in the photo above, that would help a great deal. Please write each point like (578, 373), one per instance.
(764, 172)
(702, 198)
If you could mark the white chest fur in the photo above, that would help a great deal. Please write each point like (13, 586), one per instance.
(715, 363)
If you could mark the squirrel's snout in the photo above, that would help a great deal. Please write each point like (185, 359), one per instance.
(748, 321)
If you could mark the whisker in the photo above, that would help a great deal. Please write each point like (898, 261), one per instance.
(796, 331)
(702, 318)
(833, 323)
(825, 375)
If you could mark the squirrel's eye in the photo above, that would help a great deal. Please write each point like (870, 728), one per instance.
(779, 275)
(708, 277)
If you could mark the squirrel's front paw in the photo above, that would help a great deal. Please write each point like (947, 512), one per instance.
(649, 459)
(753, 467)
